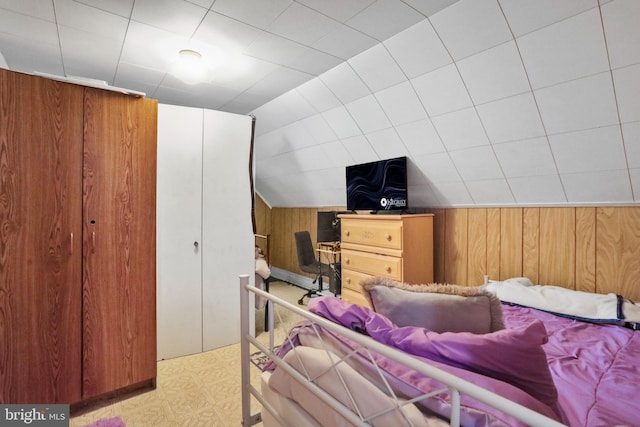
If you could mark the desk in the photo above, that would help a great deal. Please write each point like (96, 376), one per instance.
(331, 252)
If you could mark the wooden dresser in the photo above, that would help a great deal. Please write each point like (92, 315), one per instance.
(396, 246)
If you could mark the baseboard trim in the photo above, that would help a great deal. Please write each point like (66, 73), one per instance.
(299, 280)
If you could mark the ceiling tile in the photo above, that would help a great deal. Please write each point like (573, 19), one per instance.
(377, 68)
(461, 129)
(310, 158)
(241, 77)
(258, 13)
(302, 24)
(620, 20)
(295, 105)
(151, 47)
(442, 91)
(594, 187)
(359, 149)
(318, 95)
(279, 81)
(477, 163)
(578, 104)
(511, 119)
(631, 134)
(27, 28)
(297, 136)
(597, 149)
(542, 189)
(471, 26)
(526, 158)
(635, 182)
(276, 49)
(490, 192)
(422, 196)
(314, 62)
(627, 86)
(28, 56)
(565, 51)
(341, 122)
(336, 155)
(420, 138)
(525, 17)
(119, 7)
(430, 7)
(225, 32)
(452, 194)
(494, 73)
(437, 167)
(178, 16)
(386, 143)
(340, 10)
(345, 83)
(385, 18)
(401, 104)
(35, 8)
(418, 58)
(344, 42)
(76, 15)
(78, 46)
(368, 114)
(319, 129)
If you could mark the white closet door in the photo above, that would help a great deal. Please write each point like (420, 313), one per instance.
(227, 228)
(179, 231)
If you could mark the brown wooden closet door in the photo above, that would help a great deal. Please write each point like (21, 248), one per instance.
(40, 239)
(119, 306)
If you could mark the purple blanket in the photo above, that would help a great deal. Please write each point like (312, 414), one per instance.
(596, 368)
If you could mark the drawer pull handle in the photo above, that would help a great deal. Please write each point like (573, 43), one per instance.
(347, 233)
(349, 281)
(387, 269)
(347, 261)
(388, 237)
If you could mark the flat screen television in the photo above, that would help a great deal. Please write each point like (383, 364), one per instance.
(378, 186)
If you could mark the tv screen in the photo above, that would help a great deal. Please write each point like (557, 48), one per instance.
(380, 185)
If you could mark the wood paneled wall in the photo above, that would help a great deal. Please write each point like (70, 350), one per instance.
(593, 249)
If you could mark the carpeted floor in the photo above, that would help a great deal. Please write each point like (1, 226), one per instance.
(198, 390)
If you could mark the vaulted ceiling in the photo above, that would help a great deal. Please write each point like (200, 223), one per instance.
(495, 102)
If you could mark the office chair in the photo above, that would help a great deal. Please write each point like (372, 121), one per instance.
(308, 262)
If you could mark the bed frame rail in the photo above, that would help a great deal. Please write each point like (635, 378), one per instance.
(454, 385)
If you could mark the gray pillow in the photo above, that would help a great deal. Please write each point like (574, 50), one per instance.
(436, 307)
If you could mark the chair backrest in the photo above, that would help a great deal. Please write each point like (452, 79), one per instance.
(306, 253)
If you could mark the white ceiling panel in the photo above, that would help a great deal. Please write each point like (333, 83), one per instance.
(401, 104)
(537, 190)
(345, 84)
(471, 26)
(621, 19)
(511, 119)
(118, 7)
(599, 149)
(319, 129)
(418, 58)
(318, 95)
(225, 32)
(527, 16)
(490, 192)
(341, 122)
(368, 114)
(442, 91)
(635, 183)
(477, 163)
(452, 193)
(386, 143)
(70, 13)
(377, 69)
(526, 158)
(437, 167)
(384, 18)
(578, 104)
(359, 149)
(568, 50)
(461, 129)
(41, 57)
(494, 73)
(340, 10)
(627, 86)
(302, 24)
(631, 135)
(429, 7)
(280, 80)
(35, 8)
(28, 28)
(314, 62)
(344, 42)
(420, 138)
(79, 45)
(178, 16)
(336, 155)
(257, 13)
(593, 187)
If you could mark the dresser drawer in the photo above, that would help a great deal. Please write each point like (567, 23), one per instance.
(354, 297)
(373, 264)
(384, 234)
(351, 280)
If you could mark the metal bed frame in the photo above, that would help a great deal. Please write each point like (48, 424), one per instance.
(454, 385)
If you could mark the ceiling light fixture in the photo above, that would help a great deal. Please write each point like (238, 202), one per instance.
(190, 67)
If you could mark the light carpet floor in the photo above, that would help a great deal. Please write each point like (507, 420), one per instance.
(198, 390)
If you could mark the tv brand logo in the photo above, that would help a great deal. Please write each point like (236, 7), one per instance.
(40, 415)
(391, 202)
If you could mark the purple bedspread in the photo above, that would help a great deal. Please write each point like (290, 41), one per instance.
(598, 379)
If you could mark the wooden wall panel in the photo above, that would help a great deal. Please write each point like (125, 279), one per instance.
(618, 251)
(455, 251)
(477, 246)
(531, 243)
(586, 249)
(557, 247)
(510, 243)
(493, 243)
(583, 248)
